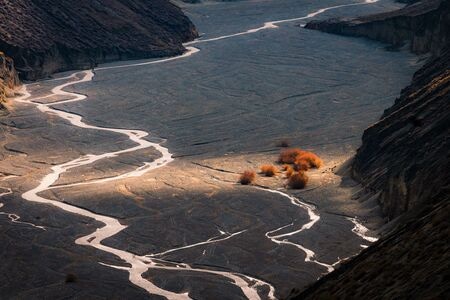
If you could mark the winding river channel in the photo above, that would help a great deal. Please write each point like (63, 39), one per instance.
(136, 265)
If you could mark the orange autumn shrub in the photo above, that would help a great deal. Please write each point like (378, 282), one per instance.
(311, 159)
(298, 181)
(301, 164)
(289, 156)
(269, 170)
(247, 177)
(289, 171)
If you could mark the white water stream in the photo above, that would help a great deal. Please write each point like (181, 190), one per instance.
(140, 264)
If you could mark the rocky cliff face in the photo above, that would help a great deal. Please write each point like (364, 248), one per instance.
(404, 158)
(424, 24)
(47, 36)
(8, 78)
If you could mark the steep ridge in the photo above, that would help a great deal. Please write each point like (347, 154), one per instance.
(8, 78)
(44, 37)
(404, 156)
(425, 25)
(404, 159)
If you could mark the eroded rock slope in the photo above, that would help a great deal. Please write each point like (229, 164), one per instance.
(8, 78)
(47, 36)
(404, 159)
(425, 25)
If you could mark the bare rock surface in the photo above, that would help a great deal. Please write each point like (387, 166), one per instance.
(424, 25)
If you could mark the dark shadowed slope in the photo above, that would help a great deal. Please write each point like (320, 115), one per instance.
(405, 160)
(425, 25)
(405, 156)
(47, 36)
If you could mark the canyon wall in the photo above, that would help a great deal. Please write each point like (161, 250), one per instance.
(405, 159)
(425, 25)
(8, 78)
(48, 36)
(404, 156)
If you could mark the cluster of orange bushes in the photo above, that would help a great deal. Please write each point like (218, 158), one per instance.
(289, 170)
(295, 164)
(299, 161)
(302, 160)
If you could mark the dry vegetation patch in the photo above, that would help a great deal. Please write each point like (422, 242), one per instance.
(295, 164)
(247, 177)
(302, 160)
(289, 156)
(298, 180)
(289, 171)
(269, 170)
(311, 159)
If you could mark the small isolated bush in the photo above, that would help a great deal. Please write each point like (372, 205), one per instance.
(269, 170)
(71, 278)
(283, 144)
(311, 159)
(289, 156)
(298, 181)
(289, 171)
(247, 177)
(301, 164)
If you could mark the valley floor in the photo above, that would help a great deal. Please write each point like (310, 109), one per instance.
(185, 225)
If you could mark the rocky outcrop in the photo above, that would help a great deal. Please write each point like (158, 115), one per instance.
(424, 24)
(404, 158)
(47, 36)
(8, 78)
